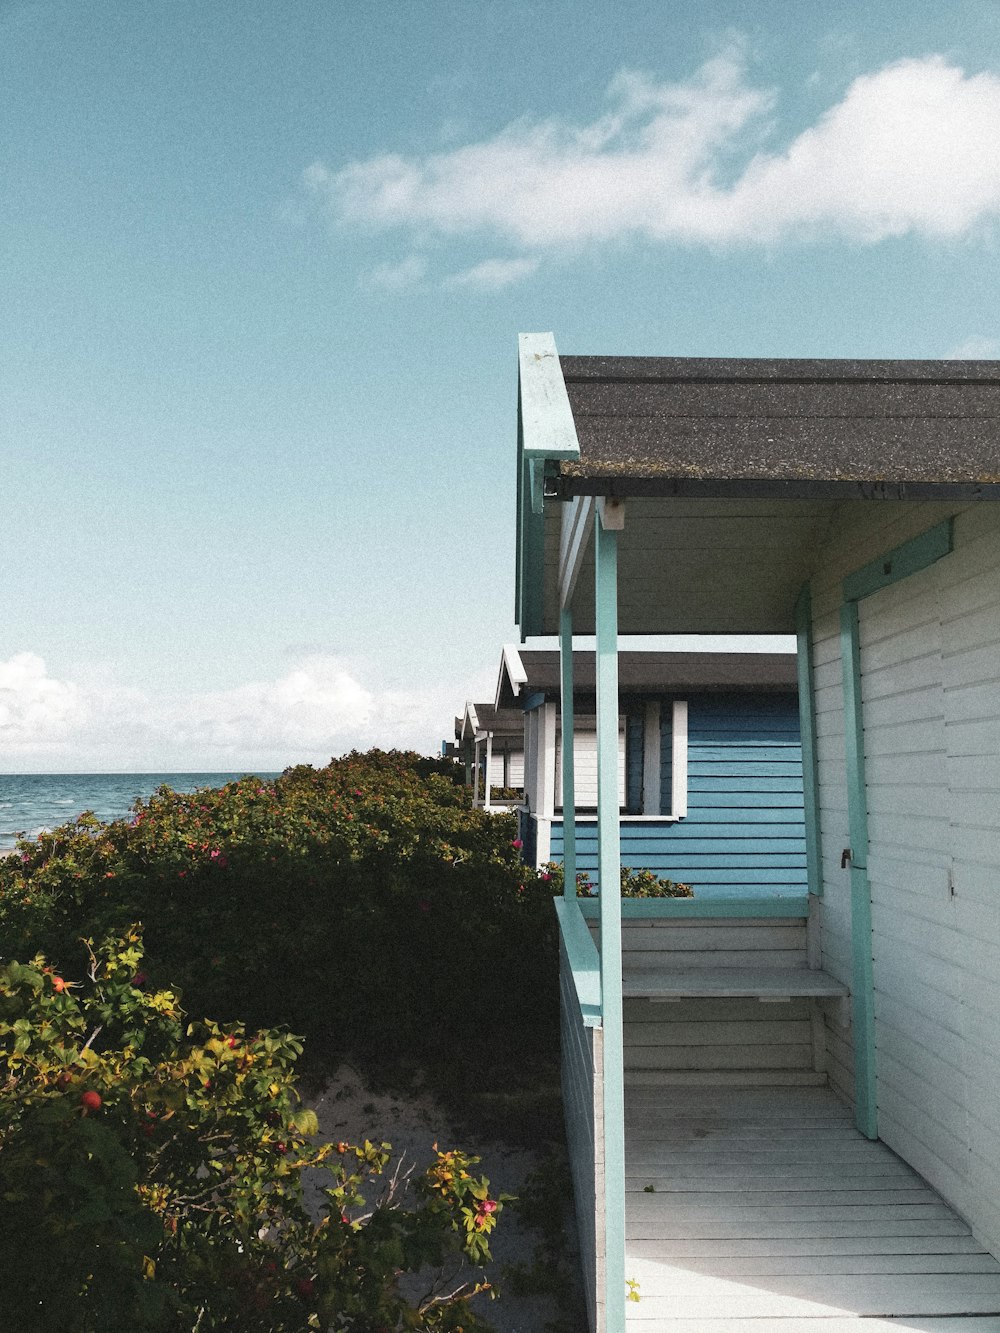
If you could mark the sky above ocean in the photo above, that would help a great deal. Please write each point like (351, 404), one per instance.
(264, 268)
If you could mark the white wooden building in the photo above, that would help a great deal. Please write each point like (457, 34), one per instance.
(854, 503)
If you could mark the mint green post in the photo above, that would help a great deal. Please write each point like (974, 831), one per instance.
(863, 979)
(568, 774)
(807, 732)
(609, 878)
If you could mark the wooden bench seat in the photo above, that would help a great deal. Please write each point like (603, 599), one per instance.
(761, 983)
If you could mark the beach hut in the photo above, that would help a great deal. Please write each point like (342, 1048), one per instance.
(490, 740)
(855, 504)
(709, 765)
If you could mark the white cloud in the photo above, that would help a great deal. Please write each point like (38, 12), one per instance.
(394, 277)
(35, 709)
(976, 348)
(317, 709)
(493, 274)
(910, 148)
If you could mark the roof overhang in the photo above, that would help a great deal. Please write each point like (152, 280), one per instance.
(646, 672)
(732, 473)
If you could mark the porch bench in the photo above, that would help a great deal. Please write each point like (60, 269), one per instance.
(761, 983)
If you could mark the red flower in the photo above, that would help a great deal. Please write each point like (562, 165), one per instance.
(517, 844)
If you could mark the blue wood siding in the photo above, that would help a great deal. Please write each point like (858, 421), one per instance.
(745, 828)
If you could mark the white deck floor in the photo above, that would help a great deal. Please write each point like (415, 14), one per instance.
(769, 1211)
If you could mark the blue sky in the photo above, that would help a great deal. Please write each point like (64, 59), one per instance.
(263, 267)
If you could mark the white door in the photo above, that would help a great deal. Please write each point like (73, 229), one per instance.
(918, 949)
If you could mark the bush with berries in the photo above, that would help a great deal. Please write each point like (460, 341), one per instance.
(151, 1177)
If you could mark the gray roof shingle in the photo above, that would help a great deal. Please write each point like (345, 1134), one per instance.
(669, 425)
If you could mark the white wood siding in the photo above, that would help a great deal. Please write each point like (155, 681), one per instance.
(585, 762)
(930, 658)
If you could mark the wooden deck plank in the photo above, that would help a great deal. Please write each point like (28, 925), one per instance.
(913, 1324)
(961, 1242)
(746, 1189)
(663, 1309)
(770, 1211)
(752, 1267)
(782, 1200)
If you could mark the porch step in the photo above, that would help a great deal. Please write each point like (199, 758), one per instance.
(760, 983)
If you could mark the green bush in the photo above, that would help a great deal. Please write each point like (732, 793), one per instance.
(151, 1178)
(635, 883)
(366, 904)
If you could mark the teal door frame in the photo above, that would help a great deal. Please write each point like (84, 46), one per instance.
(897, 564)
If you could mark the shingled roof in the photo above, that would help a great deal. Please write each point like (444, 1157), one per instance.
(781, 428)
(644, 672)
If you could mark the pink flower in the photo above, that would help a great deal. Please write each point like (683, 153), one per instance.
(487, 1206)
(138, 979)
(546, 877)
(517, 844)
(220, 859)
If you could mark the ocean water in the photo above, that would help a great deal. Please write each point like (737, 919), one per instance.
(33, 802)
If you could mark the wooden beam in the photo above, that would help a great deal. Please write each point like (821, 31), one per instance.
(577, 521)
(548, 432)
(612, 513)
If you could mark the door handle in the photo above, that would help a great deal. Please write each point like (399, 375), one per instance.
(845, 856)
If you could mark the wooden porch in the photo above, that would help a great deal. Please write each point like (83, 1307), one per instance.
(751, 1200)
(751, 1209)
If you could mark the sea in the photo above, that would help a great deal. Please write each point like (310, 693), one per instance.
(30, 803)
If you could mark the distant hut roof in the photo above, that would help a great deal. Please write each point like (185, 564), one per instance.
(644, 672)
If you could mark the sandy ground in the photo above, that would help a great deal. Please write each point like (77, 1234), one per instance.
(347, 1110)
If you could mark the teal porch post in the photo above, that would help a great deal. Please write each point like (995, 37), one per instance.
(609, 878)
(863, 981)
(807, 733)
(568, 774)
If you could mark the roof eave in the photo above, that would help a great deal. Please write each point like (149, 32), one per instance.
(623, 485)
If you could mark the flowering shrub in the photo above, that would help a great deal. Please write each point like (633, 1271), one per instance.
(365, 904)
(151, 1178)
(635, 883)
